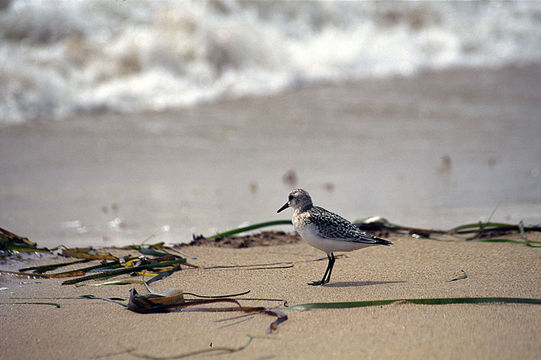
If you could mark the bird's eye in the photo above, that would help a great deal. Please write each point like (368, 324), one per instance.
(290, 197)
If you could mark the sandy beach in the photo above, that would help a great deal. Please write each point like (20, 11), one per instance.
(412, 268)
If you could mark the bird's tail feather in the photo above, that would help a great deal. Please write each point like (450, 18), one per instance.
(381, 241)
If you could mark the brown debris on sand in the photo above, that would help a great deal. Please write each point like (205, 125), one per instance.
(264, 238)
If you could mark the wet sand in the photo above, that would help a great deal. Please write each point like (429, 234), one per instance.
(411, 268)
(434, 150)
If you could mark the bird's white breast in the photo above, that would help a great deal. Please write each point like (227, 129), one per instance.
(308, 231)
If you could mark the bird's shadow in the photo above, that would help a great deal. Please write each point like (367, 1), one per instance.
(361, 283)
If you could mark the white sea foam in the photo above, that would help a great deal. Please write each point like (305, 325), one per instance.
(64, 57)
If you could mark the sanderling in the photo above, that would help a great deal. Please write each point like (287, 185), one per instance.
(325, 230)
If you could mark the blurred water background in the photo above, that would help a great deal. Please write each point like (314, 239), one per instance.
(67, 57)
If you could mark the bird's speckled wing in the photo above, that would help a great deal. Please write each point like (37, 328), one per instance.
(332, 226)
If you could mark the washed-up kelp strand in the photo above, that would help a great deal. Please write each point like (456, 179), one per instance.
(153, 303)
(138, 261)
(501, 240)
(216, 349)
(473, 227)
(151, 249)
(485, 229)
(250, 227)
(262, 299)
(475, 230)
(163, 274)
(32, 303)
(111, 299)
(236, 295)
(44, 268)
(267, 266)
(427, 301)
(44, 276)
(12, 242)
(525, 239)
(87, 253)
(65, 274)
(91, 297)
(105, 265)
(218, 296)
(143, 259)
(174, 293)
(128, 270)
(530, 243)
(113, 282)
(81, 297)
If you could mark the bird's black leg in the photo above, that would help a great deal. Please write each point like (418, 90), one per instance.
(331, 265)
(327, 271)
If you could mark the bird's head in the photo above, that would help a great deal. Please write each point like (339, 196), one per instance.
(298, 199)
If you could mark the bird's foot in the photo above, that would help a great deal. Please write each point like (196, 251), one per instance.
(317, 283)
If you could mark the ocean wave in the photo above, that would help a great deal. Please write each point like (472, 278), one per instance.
(66, 57)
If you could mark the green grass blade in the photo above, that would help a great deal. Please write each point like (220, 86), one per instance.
(480, 225)
(44, 268)
(152, 252)
(218, 296)
(428, 301)
(499, 240)
(32, 303)
(250, 227)
(339, 305)
(115, 282)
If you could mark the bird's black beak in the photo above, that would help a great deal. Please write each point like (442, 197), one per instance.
(286, 205)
